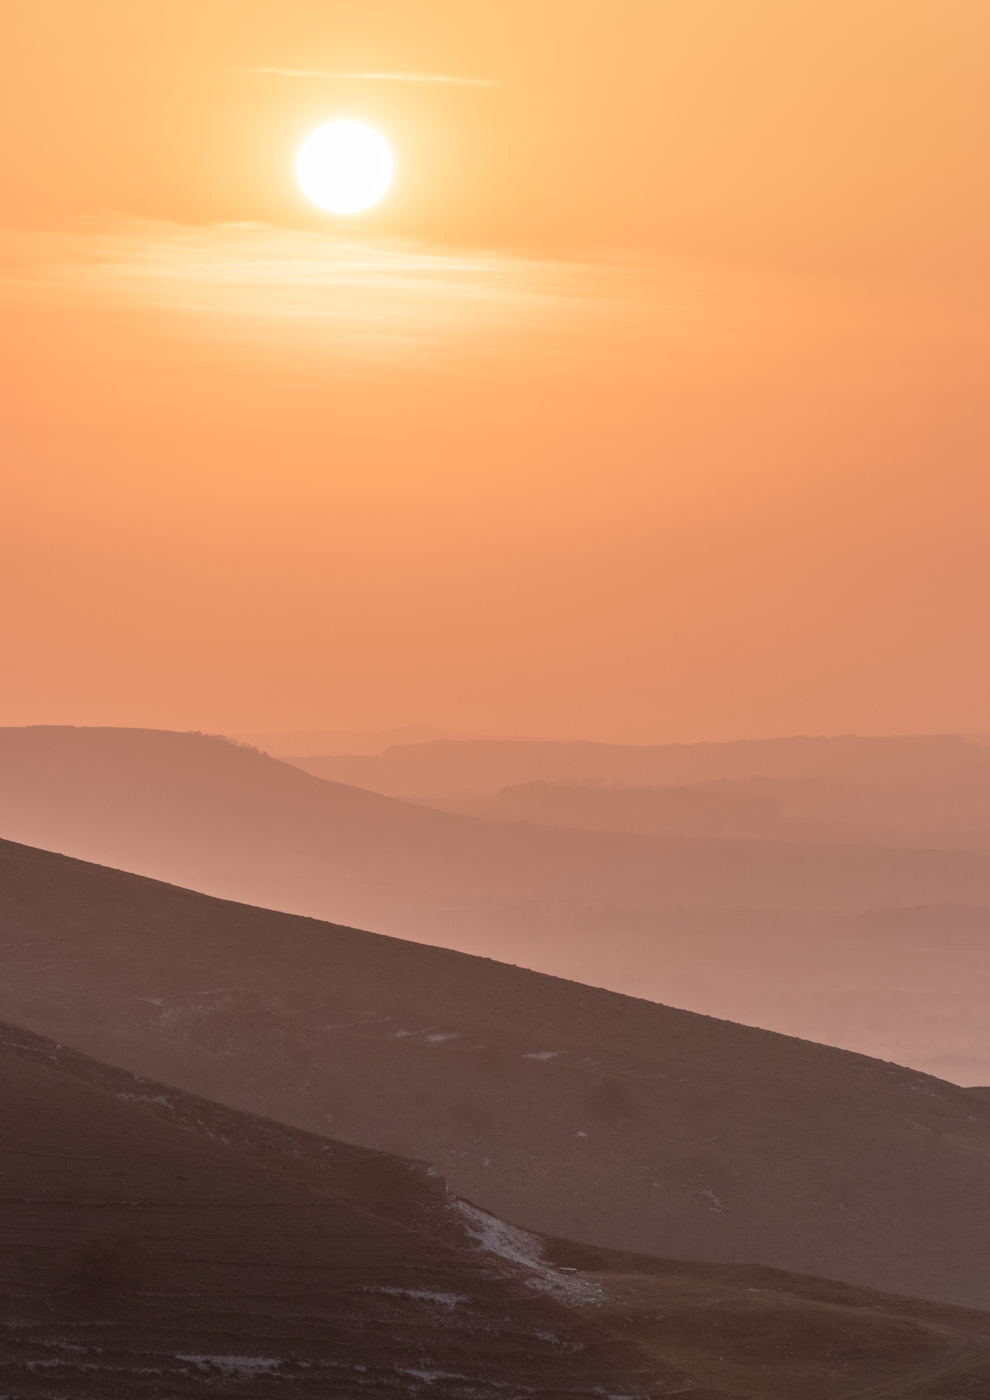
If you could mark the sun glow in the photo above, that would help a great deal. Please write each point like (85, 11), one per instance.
(344, 166)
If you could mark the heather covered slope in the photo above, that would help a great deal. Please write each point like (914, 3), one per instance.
(750, 930)
(156, 1258)
(559, 1107)
(524, 1313)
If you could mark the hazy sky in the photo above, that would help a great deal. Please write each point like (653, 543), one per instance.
(648, 404)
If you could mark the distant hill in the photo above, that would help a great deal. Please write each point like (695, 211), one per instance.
(339, 740)
(934, 810)
(204, 812)
(754, 930)
(559, 1107)
(483, 766)
(127, 1182)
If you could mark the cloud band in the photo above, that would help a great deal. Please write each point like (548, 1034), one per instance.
(380, 77)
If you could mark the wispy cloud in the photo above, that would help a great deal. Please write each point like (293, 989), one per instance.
(380, 77)
(304, 291)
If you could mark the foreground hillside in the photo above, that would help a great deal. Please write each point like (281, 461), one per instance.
(559, 1107)
(158, 1244)
(144, 1259)
(751, 930)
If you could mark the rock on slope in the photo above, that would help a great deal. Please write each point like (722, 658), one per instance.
(559, 1107)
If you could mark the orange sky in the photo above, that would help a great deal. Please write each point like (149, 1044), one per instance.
(649, 404)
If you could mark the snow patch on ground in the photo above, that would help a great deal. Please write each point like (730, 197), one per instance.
(234, 1365)
(494, 1236)
(90, 1366)
(424, 1295)
(431, 1375)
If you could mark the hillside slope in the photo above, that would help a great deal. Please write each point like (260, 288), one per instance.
(231, 821)
(448, 1286)
(559, 1107)
(140, 1258)
(754, 931)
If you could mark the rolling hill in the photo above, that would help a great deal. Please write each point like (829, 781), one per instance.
(170, 1254)
(163, 1245)
(762, 931)
(559, 1107)
(483, 766)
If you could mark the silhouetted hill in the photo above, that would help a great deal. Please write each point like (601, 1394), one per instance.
(739, 928)
(559, 1107)
(232, 1217)
(942, 810)
(483, 766)
(209, 814)
(341, 740)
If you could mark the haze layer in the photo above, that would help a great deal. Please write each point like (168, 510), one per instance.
(755, 899)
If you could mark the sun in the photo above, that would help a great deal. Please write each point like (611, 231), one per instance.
(344, 166)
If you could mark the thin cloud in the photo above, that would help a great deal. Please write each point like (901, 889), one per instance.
(319, 296)
(381, 77)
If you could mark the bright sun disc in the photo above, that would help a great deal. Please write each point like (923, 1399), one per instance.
(344, 166)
